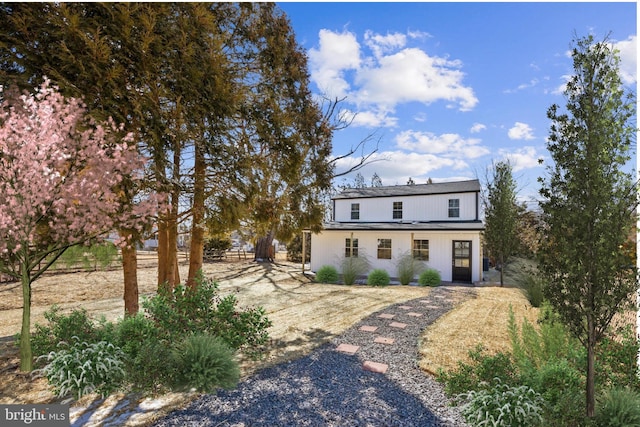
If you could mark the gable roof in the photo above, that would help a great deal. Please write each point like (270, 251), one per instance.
(411, 190)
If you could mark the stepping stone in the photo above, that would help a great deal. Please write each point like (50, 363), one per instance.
(439, 296)
(432, 306)
(414, 314)
(425, 301)
(386, 316)
(347, 348)
(398, 325)
(368, 328)
(379, 368)
(383, 340)
(405, 307)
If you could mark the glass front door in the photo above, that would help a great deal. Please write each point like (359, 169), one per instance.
(461, 261)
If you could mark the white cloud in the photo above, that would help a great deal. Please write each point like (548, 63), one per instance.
(447, 145)
(522, 158)
(521, 131)
(396, 167)
(477, 127)
(628, 51)
(338, 52)
(390, 75)
(374, 119)
(380, 44)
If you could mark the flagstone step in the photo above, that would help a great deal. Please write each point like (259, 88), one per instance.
(398, 325)
(384, 340)
(386, 316)
(368, 328)
(376, 367)
(348, 348)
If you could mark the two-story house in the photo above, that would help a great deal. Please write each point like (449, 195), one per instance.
(438, 223)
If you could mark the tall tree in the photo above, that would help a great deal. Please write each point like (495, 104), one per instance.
(376, 181)
(501, 216)
(589, 200)
(60, 184)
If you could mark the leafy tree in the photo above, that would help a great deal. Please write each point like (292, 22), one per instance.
(501, 216)
(376, 181)
(359, 182)
(589, 200)
(60, 178)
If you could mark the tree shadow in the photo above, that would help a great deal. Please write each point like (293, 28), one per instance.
(325, 388)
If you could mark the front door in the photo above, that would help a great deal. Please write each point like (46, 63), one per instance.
(461, 261)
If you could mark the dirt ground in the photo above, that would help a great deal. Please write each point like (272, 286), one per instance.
(304, 314)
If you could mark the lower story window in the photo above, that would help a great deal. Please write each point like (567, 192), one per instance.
(351, 248)
(421, 250)
(384, 248)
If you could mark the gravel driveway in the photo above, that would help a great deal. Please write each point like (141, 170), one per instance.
(331, 388)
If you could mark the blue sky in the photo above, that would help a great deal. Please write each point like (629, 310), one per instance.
(449, 88)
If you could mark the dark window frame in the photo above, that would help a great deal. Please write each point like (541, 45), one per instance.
(420, 251)
(454, 208)
(397, 210)
(383, 249)
(355, 210)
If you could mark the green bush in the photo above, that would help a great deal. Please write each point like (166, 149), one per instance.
(98, 255)
(85, 368)
(183, 311)
(616, 359)
(408, 267)
(618, 407)
(352, 267)
(480, 373)
(327, 274)
(533, 289)
(430, 277)
(217, 244)
(62, 328)
(378, 277)
(204, 362)
(503, 405)
(148, 370)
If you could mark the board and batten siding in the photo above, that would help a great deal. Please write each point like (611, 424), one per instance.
(433, 207)
(328, 248)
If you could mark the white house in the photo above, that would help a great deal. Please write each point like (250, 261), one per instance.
(438, 223)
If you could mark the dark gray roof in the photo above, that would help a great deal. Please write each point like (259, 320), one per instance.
(411, 190)
(406, 226)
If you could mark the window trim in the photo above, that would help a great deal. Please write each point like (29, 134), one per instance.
(397, 210)
(351, 248)
(355, 210)
(454, 208)
(420, 250)
(384, 249)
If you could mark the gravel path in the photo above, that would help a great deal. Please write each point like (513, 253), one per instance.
(331, 388)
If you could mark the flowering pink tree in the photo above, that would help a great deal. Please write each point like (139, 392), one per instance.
(61, 184)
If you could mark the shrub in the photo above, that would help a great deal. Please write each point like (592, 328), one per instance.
(504, 405)
(204, 362)
(182, 311)
(327, 274)
(408, 267)
(618, 407)
(480, 373)
(378, 277)
(85, 368)
(62, 328)
(352, 267)
(149, 370)
(533, 288)
(430, 277)
(217, 244)
(616, 359)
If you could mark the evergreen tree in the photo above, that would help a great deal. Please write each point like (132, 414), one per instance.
(501, 216)
(589, 200)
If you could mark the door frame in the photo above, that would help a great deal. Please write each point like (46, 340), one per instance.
(456, 274)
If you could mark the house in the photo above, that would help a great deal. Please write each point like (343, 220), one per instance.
(438, 223)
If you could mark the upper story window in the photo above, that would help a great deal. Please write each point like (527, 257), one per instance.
(355, 210)
(384, 248)
(397, 210)
(351, 248)
(454, 208)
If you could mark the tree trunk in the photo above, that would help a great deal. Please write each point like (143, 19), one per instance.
(26, 355)
(264, 248)
(130, 268)
(197, 230)
(591, 371)
(163, 246)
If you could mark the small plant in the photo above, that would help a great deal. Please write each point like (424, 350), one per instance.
(618, 407)
(85, 368)
(327, 274)
(408, 267)
(430, 277)
(62, 328)
(378, 277)
(352, 267)
(532, 286)
(204, 362)
(504, 405)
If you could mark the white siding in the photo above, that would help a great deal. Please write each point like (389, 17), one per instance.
(433, 207)
(328, 248)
